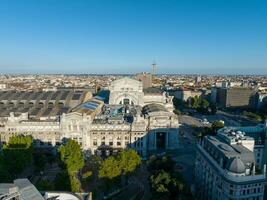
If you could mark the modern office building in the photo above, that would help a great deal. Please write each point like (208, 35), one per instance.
(134, 118)
(225, 168)
(233, 97)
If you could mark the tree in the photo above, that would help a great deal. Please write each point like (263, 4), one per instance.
(161, 181)
(216, 125)
(115, 167)
(87, 175)
(109, 168)
(204, 103)
(39, 160)
(75, 183)
(44, 185)
(253, 116)
(156, 164)
(166, 184)
(62, 181)
(17, 154)
(128, 161)
(195, 102)
(4, 175)
(72, 156)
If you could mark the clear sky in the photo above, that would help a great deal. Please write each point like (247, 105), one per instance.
(123, 36)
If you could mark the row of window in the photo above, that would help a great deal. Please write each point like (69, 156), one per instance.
(95, 143)
(248, 191)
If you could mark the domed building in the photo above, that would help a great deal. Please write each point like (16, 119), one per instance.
(225, 167)
(131, 118)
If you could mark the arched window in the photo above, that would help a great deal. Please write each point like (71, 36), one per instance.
(126, 101)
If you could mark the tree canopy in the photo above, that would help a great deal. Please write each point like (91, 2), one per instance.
(17, 154)
(109, 168)
(161, 181)
(202, 105)
(216, 125)
(165, 182)
(72, 156)
(128, 160)
(124, 163)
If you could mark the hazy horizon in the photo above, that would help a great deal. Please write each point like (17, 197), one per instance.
(221, 37)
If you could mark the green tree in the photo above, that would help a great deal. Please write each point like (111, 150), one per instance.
(75, 183)
(195, 102)
(109, 168)
(87, 175)
(253, 116)
(4, 175)
(216, 125)
(204, 103)
(156, 164)
(44, 185)
(17, 154)
(72, 156)
(39, 160)
(128, 161)
(124, 163)
(62, 181)
(161, 181)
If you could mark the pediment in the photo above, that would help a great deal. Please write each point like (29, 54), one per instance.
(126, 82)
(73, 115)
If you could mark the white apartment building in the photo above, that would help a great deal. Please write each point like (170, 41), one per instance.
(225, 168)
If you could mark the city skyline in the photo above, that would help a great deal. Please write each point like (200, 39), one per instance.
(88, 37)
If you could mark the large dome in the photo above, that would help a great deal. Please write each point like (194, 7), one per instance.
(235, 165)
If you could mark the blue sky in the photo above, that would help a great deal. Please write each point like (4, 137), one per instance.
(123, 36)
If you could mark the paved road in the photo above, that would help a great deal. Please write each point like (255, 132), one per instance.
(237, 117)
(185, 155)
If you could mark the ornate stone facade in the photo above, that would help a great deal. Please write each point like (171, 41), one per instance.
(126, 122)
(126, 91)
